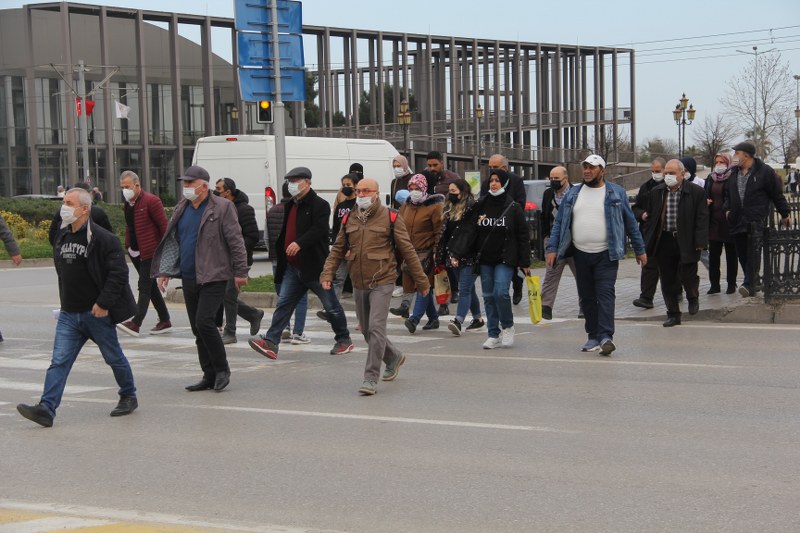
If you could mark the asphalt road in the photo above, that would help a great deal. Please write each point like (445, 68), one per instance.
(685, 429)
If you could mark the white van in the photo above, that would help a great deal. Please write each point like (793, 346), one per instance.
(250, 161)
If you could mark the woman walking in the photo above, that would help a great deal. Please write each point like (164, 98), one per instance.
(718, 236)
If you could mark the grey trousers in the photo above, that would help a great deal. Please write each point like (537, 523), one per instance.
(372, 310)
(552, 277)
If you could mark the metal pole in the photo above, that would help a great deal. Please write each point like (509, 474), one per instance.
(755, 98)
(278, 114)
(82, 122)
(679, 141)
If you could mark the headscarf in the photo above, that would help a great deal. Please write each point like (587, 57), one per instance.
(419, 181)
(503, 176)
(403, 163)
(727, 173)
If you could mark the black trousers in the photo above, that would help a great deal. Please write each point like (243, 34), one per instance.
(674, 274)
(234, 306)
(649, 280)
(202, 302)
(715, 262)
(148, 292)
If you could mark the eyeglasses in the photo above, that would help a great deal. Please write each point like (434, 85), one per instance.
(362, 192)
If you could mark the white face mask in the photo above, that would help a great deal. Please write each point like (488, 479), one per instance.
(719, 169)
(189, 193)
(671, 180)
(399, 172)
(294, 188)
(364, 202)
(657, 176)
(128, 194)
(67, 215)
(498, 192)
(687, 175)
(416, 196)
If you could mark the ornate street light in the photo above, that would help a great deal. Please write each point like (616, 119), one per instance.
(684, 116)
(479, 118)
(235, 118)
(404, 119)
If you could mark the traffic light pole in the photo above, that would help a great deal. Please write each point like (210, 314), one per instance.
(277, 113)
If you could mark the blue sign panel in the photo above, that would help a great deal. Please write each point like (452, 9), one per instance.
(256, 50)
(259, 84)
(255, 15)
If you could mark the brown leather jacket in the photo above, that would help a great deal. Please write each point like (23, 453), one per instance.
(371, 258)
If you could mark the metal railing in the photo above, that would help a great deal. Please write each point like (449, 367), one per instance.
(774, 255)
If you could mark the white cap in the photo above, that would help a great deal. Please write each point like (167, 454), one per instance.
(595, 161)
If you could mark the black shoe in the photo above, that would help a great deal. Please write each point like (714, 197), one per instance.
(411, 324)
(731, 289)
(322, 314)
(223, 378)
(401, 311)
(444, 310)
(455, 327)
(126, 406)
(644, 303)
(255, 324)
(517, 297)
(432, 324)
(454, 298)
(37, 413)
(694, 306)
(203, 384)
(477, 323)
(714, 289)
(547, 312)
(672, 321)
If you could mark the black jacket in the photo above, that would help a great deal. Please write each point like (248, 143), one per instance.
(247, 220)
(515, 189)
(313, 214)
(692, 221)
(547, 210)
(97, 215)
(108, 269)
(763, 186)
(640, 207)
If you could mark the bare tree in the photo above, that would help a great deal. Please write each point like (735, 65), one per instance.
(786, 141)
(758, 97)
(612, 148)
(712, 136)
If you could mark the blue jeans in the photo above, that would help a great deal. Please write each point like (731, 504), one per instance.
(293, 289)
(72, 332)
(495, 282)
(300, 311)
(467, 296)
(424, 304)
(596, 276)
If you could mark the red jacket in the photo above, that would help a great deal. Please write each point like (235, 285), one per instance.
(149, 221)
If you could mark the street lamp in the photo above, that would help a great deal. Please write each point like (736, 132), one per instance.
(478, 119)
(235, 118)
(404, 119)
(684, 116)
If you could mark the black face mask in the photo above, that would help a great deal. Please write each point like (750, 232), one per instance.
(592, 183)
(555, 184)
(453, 198)
(215, 193)
(347, 191)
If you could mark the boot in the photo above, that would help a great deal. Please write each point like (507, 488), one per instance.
(401, 311)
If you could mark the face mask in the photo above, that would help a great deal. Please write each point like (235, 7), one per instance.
(347, 191)
(364, 202)
(294, 188)
(592, 183)
(215, 193)
(128, 194)
(687, 175)
(498, 192)
(555, 184)
(658, 177)
(399, 172)
(453, 197)
(416, 196)
(189, 193)
(67, 215)
(671, 180)
(735, 163)
(720, 169)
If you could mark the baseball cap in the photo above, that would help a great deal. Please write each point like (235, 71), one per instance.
(195, 172)
(595, 161)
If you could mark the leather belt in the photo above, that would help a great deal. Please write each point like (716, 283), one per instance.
(673, 233)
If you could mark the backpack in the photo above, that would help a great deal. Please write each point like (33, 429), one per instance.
(392, 218)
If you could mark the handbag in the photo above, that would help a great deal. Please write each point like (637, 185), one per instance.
(534, 298)
(425, 259)
(441, 286)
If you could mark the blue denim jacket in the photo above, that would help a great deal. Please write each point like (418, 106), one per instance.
(619, 221)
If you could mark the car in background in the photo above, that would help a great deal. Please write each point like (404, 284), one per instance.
(534, 192)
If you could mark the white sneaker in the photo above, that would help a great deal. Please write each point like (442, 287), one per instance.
(300, 339)
(397, 292)
(507, 337)
(491, 343)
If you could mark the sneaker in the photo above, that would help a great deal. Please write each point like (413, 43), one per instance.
(322, 315)
(443, 310)
(130, 327)
(300, 339)
(411, 325)
(547, 312)
(592, 345)
(343, 347)
(431, 324)
(286, 334)
(744, 291)
(507, 337)
(37, 413)
(163, 326)
(401, 311)
(477, 323)
(607, 346)
(455, 327)
(126, 406)
(393, 368)
(368, 388)
(492, 343)
(228, 338)
(264, 347)
(255, 324)
(397, 292)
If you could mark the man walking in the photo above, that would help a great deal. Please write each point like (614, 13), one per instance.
(591, 224)
(676, 233)
(649, 277)
(203, 246)
(302, 248)
(367, 241)
(551, 201)
(751, 187)
(226, 188)
(95, 295)
(145, 225)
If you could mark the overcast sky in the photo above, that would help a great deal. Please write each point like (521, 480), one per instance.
(681, 46)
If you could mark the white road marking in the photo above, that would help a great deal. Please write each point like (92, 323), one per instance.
(6, 384)
(25, 364)
(596, 361)
(43, 525)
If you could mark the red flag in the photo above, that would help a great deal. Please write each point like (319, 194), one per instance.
(89, 106)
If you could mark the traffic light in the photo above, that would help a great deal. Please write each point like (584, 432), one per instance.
(264, 112)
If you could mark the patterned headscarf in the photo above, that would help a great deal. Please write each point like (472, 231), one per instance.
(722, 177)
(419, 181)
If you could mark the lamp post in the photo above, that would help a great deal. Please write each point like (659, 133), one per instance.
(235, 119)
(684, 116)
(404, 119)
(797, 113)
(478, 119)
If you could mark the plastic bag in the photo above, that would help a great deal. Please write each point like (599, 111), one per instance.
(534, 298)
(441, 286)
